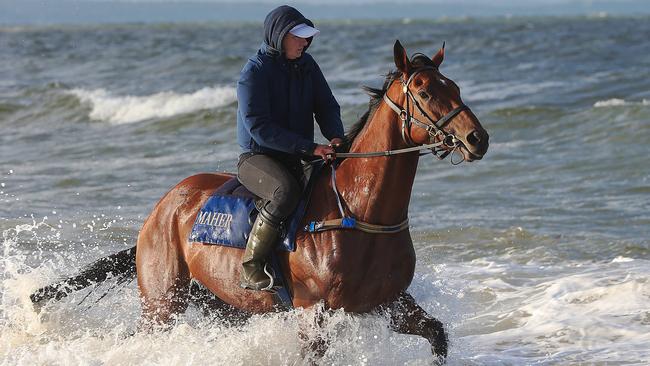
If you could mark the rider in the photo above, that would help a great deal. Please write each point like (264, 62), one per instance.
(281, 90)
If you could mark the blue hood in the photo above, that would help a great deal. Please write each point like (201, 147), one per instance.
(278, 23)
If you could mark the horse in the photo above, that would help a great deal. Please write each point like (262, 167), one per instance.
(358, 271)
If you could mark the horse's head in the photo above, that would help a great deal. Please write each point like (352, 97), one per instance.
(434, 110)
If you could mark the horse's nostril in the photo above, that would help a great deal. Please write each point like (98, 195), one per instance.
(474, 138)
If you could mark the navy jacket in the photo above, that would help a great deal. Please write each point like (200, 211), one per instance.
(279, 99)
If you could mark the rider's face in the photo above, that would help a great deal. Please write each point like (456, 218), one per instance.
(293, 46)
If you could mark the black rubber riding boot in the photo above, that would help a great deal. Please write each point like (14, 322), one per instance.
(263, 237)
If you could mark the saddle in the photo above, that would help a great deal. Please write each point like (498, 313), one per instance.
(227, 216)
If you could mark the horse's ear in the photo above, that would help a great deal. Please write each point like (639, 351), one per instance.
(401, 59)
(438, 57)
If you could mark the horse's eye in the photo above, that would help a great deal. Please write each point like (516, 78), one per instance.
(423, 95)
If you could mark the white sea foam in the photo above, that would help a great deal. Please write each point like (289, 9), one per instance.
(497, 311)
(582, 313)
(615, 102)
(127, 109)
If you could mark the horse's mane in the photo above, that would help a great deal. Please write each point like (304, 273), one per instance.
(376, 95)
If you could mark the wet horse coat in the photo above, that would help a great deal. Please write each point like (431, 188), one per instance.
(344, 269)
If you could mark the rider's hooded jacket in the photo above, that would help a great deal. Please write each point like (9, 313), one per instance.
(279, 99)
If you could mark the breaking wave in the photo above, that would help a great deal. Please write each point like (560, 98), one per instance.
(615, 102)
(128, 109)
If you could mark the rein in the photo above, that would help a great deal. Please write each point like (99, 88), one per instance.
(447, 143)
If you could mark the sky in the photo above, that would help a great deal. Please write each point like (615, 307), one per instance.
(35, 12)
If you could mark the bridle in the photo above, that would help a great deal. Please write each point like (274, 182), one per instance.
(448, 141)
(442, 142)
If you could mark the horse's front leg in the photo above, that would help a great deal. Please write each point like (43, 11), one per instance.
(407, 317)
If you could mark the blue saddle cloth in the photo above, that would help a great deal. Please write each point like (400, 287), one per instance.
(227, 217)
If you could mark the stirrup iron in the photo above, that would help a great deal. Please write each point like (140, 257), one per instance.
(271, 273)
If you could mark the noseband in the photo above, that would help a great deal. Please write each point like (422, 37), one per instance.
(435, 129)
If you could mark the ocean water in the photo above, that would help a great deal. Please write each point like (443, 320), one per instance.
(538, 254)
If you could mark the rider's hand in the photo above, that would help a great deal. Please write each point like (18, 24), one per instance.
(326, 152)
(336, 142)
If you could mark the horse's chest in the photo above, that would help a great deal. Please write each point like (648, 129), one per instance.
(358, 275)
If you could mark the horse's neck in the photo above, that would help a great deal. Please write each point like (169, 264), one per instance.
(378, 189)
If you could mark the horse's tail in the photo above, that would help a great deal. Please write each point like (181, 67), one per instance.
(120, 265)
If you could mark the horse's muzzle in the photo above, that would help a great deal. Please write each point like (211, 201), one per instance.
(475, 145)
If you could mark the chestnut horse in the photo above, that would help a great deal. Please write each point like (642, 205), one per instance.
(344, 269)
(341, 269)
